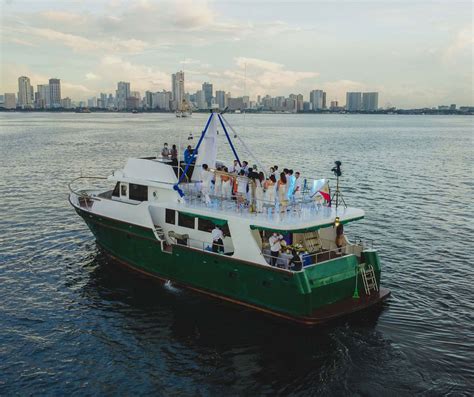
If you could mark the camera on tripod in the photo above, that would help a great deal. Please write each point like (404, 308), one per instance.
(337, 169)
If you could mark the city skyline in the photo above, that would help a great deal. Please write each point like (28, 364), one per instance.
(414, 53)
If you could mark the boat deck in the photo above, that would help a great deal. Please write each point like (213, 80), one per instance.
(297, 214)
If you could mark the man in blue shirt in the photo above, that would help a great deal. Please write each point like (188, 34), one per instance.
(188, 155)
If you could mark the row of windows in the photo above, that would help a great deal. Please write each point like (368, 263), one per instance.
(137, 192)
(188, 221)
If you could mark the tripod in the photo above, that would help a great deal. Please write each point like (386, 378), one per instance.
(338, 195)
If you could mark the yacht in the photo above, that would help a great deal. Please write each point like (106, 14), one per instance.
(155, 218)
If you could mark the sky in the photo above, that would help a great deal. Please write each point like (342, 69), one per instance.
(414, 53)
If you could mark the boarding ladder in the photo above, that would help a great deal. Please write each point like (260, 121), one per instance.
(160, 233)
(369, 279)
(161, 237)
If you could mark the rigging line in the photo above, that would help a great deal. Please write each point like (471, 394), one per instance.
(257, 161)
(245, 93)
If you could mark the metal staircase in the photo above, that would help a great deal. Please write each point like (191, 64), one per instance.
(160, 233)
(161, 237)
(369, 279)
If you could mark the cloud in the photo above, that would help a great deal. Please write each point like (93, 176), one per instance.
(61, 16)
(462, 42)
(141, 77)
(91, 76)
(267, 77)
(20, 42)
(83, 44)
(337, 89)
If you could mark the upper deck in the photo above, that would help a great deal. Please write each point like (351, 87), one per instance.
(300, 214)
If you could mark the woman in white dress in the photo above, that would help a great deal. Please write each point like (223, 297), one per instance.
(270, 185)
(226, 184)
(259, 191)
(283, 192)
(218, 182)
(242, 182)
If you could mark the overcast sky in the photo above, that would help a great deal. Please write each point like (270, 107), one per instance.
(415, 53)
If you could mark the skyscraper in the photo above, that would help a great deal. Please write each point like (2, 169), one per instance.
(221, 99)
(43, 97)
(177, 89)
(25, 93)
(317, 98)
(201, 99)
(207, 88)
(353, 101)
(370, 101)
(9, 101)
(55, 92)
(123, 92)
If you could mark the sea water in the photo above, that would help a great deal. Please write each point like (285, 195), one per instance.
(70, 323)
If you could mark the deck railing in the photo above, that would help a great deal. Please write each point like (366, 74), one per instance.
(310, 259)
(195, 197)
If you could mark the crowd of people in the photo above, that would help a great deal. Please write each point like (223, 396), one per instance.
(251, 187)
(247, 185)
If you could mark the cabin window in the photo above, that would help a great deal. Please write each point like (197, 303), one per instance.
(185, 220)
(116, 192)
(205, 225)
(170, 216)
(138, 192)
(123, 190)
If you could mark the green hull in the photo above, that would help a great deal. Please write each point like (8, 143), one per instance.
(317, 294)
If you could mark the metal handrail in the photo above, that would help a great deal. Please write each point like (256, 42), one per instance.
(316, 254)
(82, 193)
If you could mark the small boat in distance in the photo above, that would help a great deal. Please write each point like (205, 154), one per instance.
(82, 110)
(184, 110)
(289, 258)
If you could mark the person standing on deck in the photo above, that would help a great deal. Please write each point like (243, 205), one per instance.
(165, 152)
(226, 184)
(206, 178)
(235, 168)
(283, 192)
(275, 247)
(188, 154)
(291, 184)
(217, 239)
(297, 188)
(259, 182)
(218, 182)
(270, 186)
(242, 183)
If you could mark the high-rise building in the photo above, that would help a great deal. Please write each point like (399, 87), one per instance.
(317, 98)
(324, 100)
(25, 93)
(177, 90)
(148, 99)
(221, 99)
(334, 105)
(122, 93)
(102, 102)
(9, 101)
(43, 96)
(370, 101)
(136, 94)
(161, 100)
(55, 92)
(207, 88)
(66, 103)
(110, 102)
(201, 100)
(353, 101)
(92, 102)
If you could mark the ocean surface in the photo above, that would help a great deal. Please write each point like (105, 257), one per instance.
(72, 324)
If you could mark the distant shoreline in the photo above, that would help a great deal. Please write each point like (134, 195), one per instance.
(436, 112)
